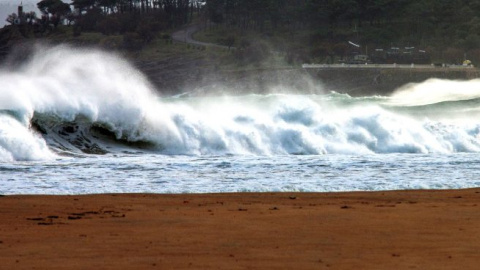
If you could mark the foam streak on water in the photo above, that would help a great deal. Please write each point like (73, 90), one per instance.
(64, 107)
(187, 174)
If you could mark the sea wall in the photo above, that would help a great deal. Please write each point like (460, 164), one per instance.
(383, 81)
(198, 79)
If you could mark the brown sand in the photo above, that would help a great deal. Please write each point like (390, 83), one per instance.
(381, 230)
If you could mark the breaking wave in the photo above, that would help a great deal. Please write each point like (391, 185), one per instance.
(66, 101)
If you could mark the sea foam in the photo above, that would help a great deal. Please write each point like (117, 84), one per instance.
(66, 83)
(93, 88)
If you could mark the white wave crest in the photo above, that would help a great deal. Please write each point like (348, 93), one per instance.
(67, 83)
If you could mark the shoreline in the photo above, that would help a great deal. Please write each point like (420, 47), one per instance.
(406, 229)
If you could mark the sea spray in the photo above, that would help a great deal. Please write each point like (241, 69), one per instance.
(311, 125)
(17, 142)
(69, 100)
(66, 83)
(435, 91)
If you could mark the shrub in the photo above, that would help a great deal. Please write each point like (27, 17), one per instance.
(89, 21)
(255, 53)
(132, 42)
(109, 26)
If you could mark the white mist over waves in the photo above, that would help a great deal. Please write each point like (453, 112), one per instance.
(18, 143)
(435, 91)
(312, 125)
(70, 84)
(67, 83)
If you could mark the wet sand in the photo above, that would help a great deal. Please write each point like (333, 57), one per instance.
(359, 230)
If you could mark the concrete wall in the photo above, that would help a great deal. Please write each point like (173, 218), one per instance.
(199, 79)
(383, 81)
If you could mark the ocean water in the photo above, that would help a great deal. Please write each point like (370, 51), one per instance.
(83, 121)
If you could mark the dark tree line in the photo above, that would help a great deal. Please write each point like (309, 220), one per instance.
(137, 20)
(173, 12)
(117, 15)
(176, 11)
(449, 26)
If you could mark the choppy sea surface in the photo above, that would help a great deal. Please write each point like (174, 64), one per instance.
(155, 173)
(83, 121)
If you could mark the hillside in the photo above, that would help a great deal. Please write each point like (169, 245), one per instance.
(258, 44)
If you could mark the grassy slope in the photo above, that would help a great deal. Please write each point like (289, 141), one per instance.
(160, 49)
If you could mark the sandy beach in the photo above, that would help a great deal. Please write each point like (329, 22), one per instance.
(359, 230)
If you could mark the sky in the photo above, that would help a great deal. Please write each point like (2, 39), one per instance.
(8, 7)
